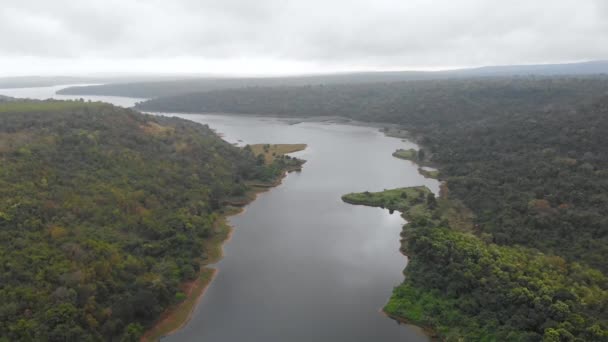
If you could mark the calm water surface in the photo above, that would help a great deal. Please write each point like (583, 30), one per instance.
(301, 264)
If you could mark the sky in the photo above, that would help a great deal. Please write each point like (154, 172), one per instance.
(276, 37)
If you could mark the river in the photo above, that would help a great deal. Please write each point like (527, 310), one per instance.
(43, 93)
(301, 264)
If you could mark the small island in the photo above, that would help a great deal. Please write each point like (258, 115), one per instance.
(409, 154)
(410, 201)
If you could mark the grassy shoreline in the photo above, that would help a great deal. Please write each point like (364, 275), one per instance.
(178, 315)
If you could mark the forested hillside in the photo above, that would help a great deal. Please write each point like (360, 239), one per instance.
(103, 213)
(538, 179)
(528, 156)
(416, 104)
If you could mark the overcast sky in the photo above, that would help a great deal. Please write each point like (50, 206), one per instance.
(256, 37)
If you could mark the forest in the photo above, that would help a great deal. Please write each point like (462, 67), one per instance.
(104, 212)
(527, 155)
(465, 288)
(414, 104)
(167, 87)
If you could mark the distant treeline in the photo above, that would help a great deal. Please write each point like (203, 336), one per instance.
(151, 89)
(414, 104)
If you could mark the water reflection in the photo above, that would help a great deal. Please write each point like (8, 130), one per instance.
(302, 265)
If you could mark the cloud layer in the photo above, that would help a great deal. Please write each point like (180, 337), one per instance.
(283, 36)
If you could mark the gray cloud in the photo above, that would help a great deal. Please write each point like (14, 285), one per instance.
(270, 36)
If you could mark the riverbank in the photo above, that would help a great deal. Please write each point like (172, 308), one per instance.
(178, 315)
(416, 204)
(422, 210)
(427, 330)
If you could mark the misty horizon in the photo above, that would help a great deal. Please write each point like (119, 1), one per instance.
(276, 38)
(187, 75)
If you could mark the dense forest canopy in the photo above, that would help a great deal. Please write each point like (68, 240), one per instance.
(528, 157)
(103, 213)
(151, 89)
(465, 288)
(415, 104)
(538, 179)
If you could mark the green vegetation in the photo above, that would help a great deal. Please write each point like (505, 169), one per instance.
(396, 132)
(177, 315)
(274, 151)
(105, 213)
(414, 104)
(519, 250)
(429, 173)
(410, 201)
(44, 106)
(150, 88)
(527, 156)
(469, 289)
(410, 154)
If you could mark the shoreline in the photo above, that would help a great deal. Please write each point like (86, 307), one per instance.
(387, 129)
(296, 120)
(427, 330)
(423, 329)
(175, 317)
(391, 130)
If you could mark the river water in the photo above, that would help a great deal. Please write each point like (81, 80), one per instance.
(43, 93)
(301, 264)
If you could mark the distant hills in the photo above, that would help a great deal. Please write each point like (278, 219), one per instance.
(49, 81)
(43, 81)
(583, 68)
(151, 89)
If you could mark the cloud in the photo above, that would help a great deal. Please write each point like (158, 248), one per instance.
(252, 36)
